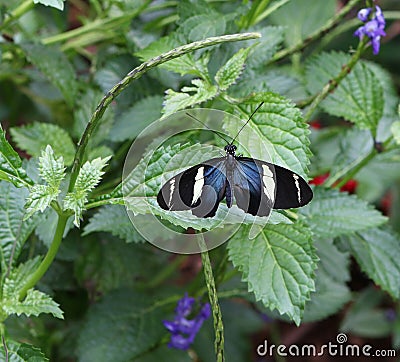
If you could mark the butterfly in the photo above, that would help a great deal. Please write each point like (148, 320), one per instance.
(256, 186)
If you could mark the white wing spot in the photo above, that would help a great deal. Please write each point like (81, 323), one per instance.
(198, 185)
(269, 182)
(296, 182)
(171, 192)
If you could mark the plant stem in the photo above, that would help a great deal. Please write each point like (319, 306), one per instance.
(333, 83)
(135, 74)
(17, 13)
(212, 294)
(331, 24)
(48, 259)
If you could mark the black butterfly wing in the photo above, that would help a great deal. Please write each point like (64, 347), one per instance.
(199, 188)
(276, 184)
(253, 193)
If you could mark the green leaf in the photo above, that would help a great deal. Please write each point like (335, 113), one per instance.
(52, 171)
(364, 318)
(88, 178)
(331, 291)
(358, 97)
(114, 264)
(132, 320)
(13, 230)
(395, 128)
(35, 303)
(280, 126)
(135, 119)
(86, 105)
(377, 251)
(57, 68)
(186, 64)
(33, 138)
(302, 17)
(278, 266)
(58, 4)
(333, 213)
(115, 220)
(201, 91)
(21, 352)
(231, 70)
(10, 164)
(203, 26)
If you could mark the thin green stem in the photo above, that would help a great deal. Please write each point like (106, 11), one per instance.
(333, 83)
(135, 74)
(331, 24)
(17, 13)
(48, 259)
(212, 294)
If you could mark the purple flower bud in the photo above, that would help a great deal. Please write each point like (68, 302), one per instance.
(183, 330)
(363, 14)
(374, 29)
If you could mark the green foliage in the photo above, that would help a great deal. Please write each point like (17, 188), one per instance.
(278, 266)
(88, 178)
(35, 301)
(10, 164)
(377, 252)
(396, 131)
(14, 230)
(55, 66)
(361, 90)
(51, 170)
(333, 213)
(35, 137)
(127, 315)
(21, 352)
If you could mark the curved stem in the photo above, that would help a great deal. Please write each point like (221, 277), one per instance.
(48, 259)
(135, 74)
(17, 13)
(331, 24)
(212, 294)
(333, 83)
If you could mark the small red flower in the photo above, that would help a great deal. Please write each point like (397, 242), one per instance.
(350, 186)
(320, 179)
(316, 124)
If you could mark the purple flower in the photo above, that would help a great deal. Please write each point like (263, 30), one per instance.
(183, 330)
(374, 29)
(363, 14)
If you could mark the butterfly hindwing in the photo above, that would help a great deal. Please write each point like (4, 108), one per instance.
(288, 188)
(200, 189)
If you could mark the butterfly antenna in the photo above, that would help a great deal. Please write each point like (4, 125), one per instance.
(247, 121)
(217, 133)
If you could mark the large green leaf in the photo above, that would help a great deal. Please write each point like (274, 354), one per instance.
(278, 266)
(115, 220)
(331, 291)
(377, 251)
(34, 138)
(10, 164)
(136, 118)
(131, 320)
(358, 97)
(56, 66)
(21, 352)
(332, 213)
(13, 230)
(302, 17)
(278, 126)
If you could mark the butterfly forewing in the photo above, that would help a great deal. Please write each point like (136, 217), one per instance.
(200, 189)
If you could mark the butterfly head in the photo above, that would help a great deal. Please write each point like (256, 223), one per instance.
(230, 149)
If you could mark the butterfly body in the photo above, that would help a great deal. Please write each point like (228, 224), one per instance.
(256, 186)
